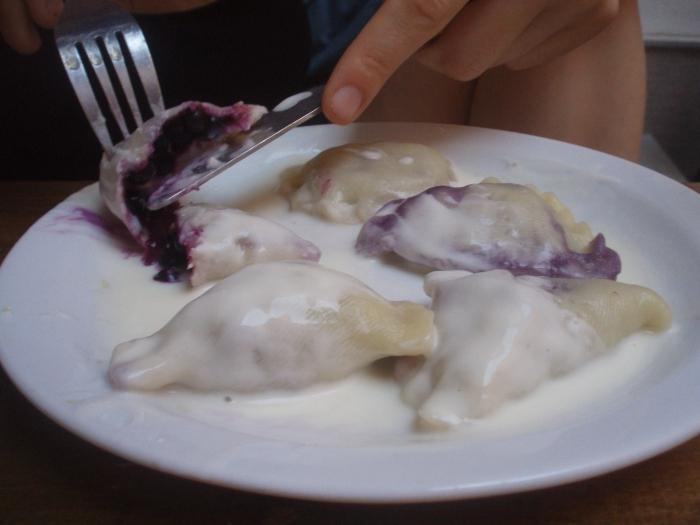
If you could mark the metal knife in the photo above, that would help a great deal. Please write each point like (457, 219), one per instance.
(288, 114)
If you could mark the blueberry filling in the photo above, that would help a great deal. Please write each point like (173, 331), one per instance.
(190, 129)
(383, 233)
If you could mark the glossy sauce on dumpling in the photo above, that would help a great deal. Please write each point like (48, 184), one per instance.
(281, 325)
(347, 184)
(366, 403)
(487, 226)
(501, 336)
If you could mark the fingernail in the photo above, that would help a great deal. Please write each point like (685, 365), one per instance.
(346, 103)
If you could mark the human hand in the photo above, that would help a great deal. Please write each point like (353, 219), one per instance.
(460, 39)
(19, 18)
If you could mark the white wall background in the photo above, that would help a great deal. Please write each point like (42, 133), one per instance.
(671, 21)
(672, 35)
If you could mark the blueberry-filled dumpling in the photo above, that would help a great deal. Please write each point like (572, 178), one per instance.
(489, 226)
(169, 145)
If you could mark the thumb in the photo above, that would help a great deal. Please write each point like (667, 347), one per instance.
(395, 32)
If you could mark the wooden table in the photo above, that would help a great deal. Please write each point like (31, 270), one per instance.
(48, 476)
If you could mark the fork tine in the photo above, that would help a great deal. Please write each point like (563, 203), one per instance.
(78, 77)
(100, 39)
(96, 60)
(143, 62)
(117, 60)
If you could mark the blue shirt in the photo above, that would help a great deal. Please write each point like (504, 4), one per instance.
(333, 25)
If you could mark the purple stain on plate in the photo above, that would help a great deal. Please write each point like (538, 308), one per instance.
(105, 224)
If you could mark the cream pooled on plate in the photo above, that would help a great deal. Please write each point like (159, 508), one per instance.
(487, 338)
(347, 184)
(275, 325)
(501, 336)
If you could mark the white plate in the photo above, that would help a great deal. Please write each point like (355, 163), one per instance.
(55, 343)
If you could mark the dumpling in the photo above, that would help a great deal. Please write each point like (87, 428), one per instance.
(489, 226)
(347, 184)
(169, 146)
(614, 309)
(501, 336)
(220, 241)
(279, 325)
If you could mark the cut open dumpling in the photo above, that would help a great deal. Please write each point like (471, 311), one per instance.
(501, 336)
(170, 145)
(279, 325)
(220, 241)
(347, 184)
(489, 226)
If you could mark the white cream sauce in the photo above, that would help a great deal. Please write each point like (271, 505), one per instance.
(495, 218)
(366, 407)
(369, 154)
(282, 324)
(500, 338)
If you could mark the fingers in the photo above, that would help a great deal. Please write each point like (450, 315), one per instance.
(17, 27)
(17, 20)
(45, 13)
(557, 16)
(396, 32)
(479, 36)
(569, 38)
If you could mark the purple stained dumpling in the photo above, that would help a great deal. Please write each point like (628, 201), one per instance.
(488, 226)
(165, 147)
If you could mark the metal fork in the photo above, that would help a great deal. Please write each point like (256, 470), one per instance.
(98, 39)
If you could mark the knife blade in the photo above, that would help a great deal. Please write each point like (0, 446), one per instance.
(288, 114)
